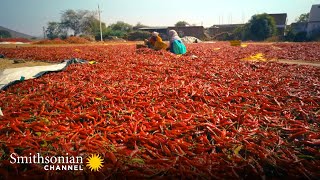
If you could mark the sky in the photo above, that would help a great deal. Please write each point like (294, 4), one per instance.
(30, 16)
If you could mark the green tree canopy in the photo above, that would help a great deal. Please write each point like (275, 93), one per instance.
(303, 18)
(181, 23)
(121, 26)
(84, 22)
(55, 30)
(75, 20)
(91, 25)
(261, 27)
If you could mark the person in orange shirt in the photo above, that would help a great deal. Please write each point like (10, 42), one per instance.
(155, 42)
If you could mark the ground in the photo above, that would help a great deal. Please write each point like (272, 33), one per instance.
(299, 62)
(9, 63)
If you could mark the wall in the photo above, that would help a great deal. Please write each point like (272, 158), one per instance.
(195, 31)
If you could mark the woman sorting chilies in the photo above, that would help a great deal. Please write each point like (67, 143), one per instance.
(176, 46)
(155, 42)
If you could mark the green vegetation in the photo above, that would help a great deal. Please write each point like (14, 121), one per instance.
(303, 18)
(292, 35)
(181, 24)
(120, 29)
(302, 36)
(260, 27)
(55, 30)
(80, 22)
(86, 24)
(5, 34)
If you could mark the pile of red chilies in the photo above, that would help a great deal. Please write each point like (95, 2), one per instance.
(157, 115)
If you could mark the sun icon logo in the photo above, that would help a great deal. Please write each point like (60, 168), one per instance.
(94, 162)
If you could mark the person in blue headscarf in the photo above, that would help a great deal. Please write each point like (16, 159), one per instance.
(176, 46)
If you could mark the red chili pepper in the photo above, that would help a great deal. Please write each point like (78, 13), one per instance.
(112, 157)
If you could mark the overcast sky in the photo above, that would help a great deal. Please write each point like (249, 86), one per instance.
(29, 16)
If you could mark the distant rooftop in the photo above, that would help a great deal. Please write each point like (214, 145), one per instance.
(183, 26)
(225, 25)
(166, 27)
(151, 28)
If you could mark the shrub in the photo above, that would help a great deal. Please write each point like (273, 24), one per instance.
(315, 35)
(296, 36)
(260, 27)
(138, 35)
(273, 39)
(76, 40)
(300, 37)
(88, 37)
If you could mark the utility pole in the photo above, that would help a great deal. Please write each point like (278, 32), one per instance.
(100, 24)
(242, 18)
(231, 18)
(44, 32)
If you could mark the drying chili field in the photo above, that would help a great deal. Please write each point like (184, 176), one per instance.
(207, 114)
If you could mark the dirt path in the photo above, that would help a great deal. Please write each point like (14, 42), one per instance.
(9, 63)
(299, 62)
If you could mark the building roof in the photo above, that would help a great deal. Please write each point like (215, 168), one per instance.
(153, 28)
(225, 25)
(314, 15)
(280, 19)
(186, 27)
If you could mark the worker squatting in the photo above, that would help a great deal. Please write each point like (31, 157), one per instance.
(51, 163)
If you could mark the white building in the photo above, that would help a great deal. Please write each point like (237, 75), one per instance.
(314, 20)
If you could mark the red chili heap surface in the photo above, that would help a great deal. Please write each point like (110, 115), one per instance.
(156, 115)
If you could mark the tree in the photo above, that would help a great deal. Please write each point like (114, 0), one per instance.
(241, 32)
(5, 34)
(86, 23)
(138, 26)
(296, 36)
(181, 23)
(54, 30)
(119, 29)
(74, 20)
(303, 18)
(261, 27)
(91, 25)
(121, 26)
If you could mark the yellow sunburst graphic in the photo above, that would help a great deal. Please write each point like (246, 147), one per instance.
(94, 162)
